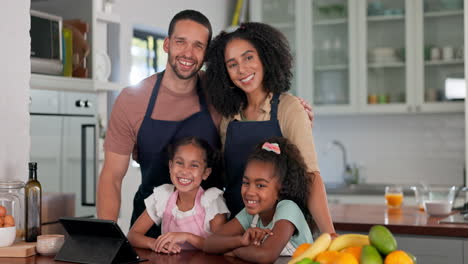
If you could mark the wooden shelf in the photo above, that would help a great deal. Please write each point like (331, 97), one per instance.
(60, 83)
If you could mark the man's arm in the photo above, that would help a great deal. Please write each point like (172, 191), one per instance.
(110, 185)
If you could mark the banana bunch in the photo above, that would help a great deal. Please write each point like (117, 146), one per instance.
(324, 243)
(349, 240)
(321, 244)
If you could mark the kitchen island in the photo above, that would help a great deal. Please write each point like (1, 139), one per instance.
(415, 231)
(192, 257)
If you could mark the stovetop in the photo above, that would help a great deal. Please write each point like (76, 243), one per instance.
(455, 219)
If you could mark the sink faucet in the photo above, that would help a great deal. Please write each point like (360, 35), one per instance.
(349, 176)
(343, 152)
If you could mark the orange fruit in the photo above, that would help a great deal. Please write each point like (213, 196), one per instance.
(345, 258)
(2, 211)
(398, 257)
(8, 221)
(327, 257)
(300, 249)
(355, 251)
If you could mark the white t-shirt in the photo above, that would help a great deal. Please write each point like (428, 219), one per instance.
(212, 201)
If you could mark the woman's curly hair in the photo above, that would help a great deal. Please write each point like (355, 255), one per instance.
(290, 169)
(275, 55)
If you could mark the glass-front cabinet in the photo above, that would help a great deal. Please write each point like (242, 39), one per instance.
(384, 64)
(333, 77)
(281, 15)
(441, 58)
(373, 56)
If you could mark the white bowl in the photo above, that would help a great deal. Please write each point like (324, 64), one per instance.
(438, 207)
(49, 244)
(7, 236)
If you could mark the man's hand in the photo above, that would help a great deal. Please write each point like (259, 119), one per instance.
(255, 236)
(308, 109)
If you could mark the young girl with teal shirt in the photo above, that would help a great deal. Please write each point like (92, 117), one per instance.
(274, 191)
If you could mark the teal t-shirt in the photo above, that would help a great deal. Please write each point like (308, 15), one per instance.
(287, 210)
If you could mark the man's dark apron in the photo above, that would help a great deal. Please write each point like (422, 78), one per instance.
(153, 138)
(241, 139)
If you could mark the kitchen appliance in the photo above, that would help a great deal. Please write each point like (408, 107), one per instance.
(46, 43)
(63, 142)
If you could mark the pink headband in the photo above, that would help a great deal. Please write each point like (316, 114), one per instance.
(273, 147)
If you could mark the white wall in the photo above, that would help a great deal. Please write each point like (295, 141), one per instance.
(156, 15)
(404, 148)
(14, 75)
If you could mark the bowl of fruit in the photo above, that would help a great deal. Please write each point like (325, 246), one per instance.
(7, 228)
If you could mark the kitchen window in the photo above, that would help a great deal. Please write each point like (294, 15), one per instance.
(148, 56)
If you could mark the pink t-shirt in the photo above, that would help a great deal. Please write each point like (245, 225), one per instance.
(130, 107)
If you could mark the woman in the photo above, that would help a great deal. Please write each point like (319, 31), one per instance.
(248, 74)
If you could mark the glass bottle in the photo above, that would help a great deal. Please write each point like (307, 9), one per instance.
(12, 198)
(33, 201)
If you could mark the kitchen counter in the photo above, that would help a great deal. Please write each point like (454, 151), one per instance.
(406, 220)
(361, 189)
(192, 257)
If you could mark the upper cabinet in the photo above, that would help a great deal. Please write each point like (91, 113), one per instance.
(374, 56)
(103, 38)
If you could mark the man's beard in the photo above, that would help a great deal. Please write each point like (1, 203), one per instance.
(178, 73)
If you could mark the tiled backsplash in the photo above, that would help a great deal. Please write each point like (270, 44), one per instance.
(405, 148)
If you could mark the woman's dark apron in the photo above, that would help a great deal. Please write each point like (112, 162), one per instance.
(241, 139)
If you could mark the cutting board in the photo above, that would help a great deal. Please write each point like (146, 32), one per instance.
(19, 250)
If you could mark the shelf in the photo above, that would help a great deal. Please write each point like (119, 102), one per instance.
(335, 67)
(385, 18)
(375, 65)
(443, 62)
(444, 13)
(283, 25)
(108, 18)
(326, 22)
(60, 83)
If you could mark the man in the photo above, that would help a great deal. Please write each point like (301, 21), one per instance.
(162, 108)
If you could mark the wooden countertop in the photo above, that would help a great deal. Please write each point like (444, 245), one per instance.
(406, 220)
(192, 257)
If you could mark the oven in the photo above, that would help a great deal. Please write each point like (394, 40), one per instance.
(63, 142)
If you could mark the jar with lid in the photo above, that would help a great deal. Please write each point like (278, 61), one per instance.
(12, 198)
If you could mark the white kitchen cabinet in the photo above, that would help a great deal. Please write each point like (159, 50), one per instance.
(373, 56)
(465, 252)
(434, 250)
(103, 38)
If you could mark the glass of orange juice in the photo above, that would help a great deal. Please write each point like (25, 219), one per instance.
(394, 196)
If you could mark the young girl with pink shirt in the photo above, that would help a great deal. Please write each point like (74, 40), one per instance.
(187, 213)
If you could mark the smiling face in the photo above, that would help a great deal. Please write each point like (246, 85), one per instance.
(244, 65)
(260, 188)
(186, 48)
(188, 168)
